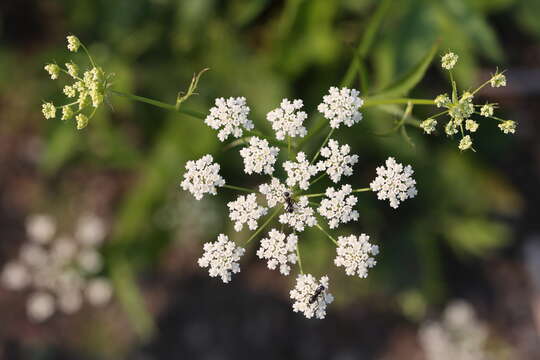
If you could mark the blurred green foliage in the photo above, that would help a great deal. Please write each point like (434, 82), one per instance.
(267, 50)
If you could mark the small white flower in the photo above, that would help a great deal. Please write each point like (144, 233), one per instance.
(394, 182)
(73, 43)
(15, 276)
(301, 216)
(508, 127)
(221, 258)
(471, 125)
(259, 157)
(82, 121)
(311, 297)
(338, 161)
(288, 120)
(72, 69)
(428, 125)
(337, 207)
(90, 230)
(99, 291)
(230, 116)
(355, 254)
(40, 228)
(498, 80)
(34, 255)
(48, 110)
(53, 70)
(69, 302)
(90, 261)
(70, 91)
(67, 112)
(451, 128)
(40, 306)
(245, 210)
(465, 143)
(442, 100)
(487, 110)
(299, 172)
(274, 192)
(449, 60)
(341, 106)
(279, 249)
(202, 176)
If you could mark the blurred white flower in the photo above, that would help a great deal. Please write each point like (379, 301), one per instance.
(99, 291)
(202, 176)
(287, 120)
(15, 276)
(278, 249)
(230, 116)
(90, 230)
(40, 306)
(40, 228)
(341, 106)
(394, 183)
(311, 297)
(73, 43)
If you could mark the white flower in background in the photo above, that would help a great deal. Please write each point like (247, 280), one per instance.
(458, 336)
(53, 70)
(288, 120)
(449, 60)
(40, 228)
(487, 110)
(70, 301)
(498, 80)
(442, 100)
(274, 192)
(98, 291)
(82, 121)
(230, 116)
(73, 43)
(355, 254)
(72, 69)
(90, 230)
(311, 297)
(338, 160)
(465, 143)
(202, 176)
(341, 106)
(301, 216)
(89, 260)
(428, 125)
(259, 157)
(40, 306)
(34, 255)
(337, 207)
(15, 276)
(394, 183)
(48, 110)
(221, 258)
(245, 210)
(508, 127)
(279, 249)
(299, 172)
(471, 125)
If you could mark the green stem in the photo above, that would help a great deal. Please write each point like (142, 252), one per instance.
(319, 178)
(314, 195)
(88, 54)
(239, 188)
(299, 258)
(361, 190)
(374, 102)
(322, 145)
(327, 234)
(264, 225)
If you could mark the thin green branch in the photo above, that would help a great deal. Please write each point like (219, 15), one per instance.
(299, 258)
(264, 225)
(239, 188)
(327, 234)
(374, 102)
(322, 145)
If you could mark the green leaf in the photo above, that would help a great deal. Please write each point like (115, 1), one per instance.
(413, 77)
(62, 147)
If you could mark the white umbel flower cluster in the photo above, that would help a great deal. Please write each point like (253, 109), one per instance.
(202, 176)
(394, 182)
(274, 192)
(449, 60)
(245, 210)
(60, 271)
(311, 297)
(230, 116)
(221, 258)
(299, 172)
(302, 216)
(288, 120)
(355, 254)
(279, 249)
(338, 160)
(338, 206)
(259, 157)
(341, 106)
